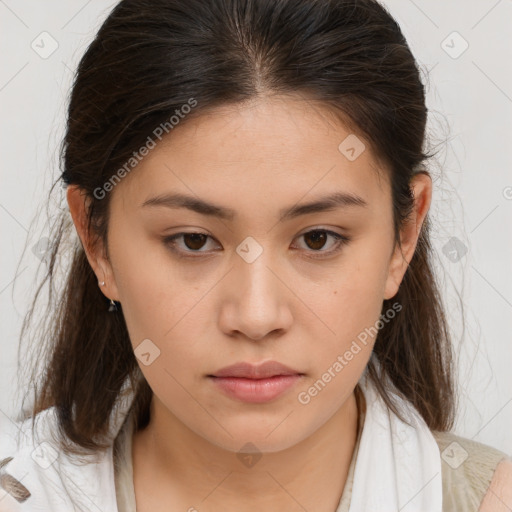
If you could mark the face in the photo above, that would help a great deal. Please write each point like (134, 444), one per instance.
(256, 277)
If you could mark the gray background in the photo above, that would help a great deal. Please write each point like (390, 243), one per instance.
(470, 104)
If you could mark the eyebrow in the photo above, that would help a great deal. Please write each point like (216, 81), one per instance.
(322, 204)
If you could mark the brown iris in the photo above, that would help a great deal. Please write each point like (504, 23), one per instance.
(318, 239)
(197, 240)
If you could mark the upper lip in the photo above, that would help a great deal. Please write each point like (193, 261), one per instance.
(255, 371)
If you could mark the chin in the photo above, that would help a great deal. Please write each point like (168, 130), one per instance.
(255, 440)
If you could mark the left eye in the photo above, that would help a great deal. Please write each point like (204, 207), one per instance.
(315, 240)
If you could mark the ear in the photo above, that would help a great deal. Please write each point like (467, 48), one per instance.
(421, 185)
(79, 203)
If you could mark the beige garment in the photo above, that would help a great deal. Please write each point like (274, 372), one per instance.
(467, 468)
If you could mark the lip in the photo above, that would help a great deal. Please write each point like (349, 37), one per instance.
(255, 371)
(255, 390)
(255, 383)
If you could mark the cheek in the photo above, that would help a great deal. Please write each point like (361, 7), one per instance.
(355, 300)
(152, 293)
(339, 358)
(161, 307)
(351, 309)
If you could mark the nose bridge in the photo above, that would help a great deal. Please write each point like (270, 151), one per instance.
(258, 297)
(257, 280)
(251, 267)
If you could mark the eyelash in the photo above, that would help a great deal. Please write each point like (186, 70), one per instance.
(341, 240)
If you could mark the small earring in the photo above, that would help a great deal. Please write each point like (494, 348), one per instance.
(113, 306)
(102, 283)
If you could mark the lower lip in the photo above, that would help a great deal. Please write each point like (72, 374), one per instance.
(256, 390)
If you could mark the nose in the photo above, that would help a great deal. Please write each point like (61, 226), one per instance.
(255, 300)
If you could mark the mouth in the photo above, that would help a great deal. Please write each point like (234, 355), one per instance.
(251, 383)
(256, 371)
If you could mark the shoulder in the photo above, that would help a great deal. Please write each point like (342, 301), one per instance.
(499, 495)
(469, 469)
(35, 474)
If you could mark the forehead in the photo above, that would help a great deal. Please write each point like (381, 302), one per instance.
(279, 149)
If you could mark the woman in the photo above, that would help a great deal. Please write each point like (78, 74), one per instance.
(250, 320)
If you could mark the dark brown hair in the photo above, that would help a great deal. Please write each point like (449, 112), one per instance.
(148, 59)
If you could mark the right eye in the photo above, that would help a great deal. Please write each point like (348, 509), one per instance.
(192, 243)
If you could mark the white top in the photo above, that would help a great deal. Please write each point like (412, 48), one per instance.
(56, 482)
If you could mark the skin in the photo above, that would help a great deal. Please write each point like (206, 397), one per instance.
(216, 309)
(499, 495)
